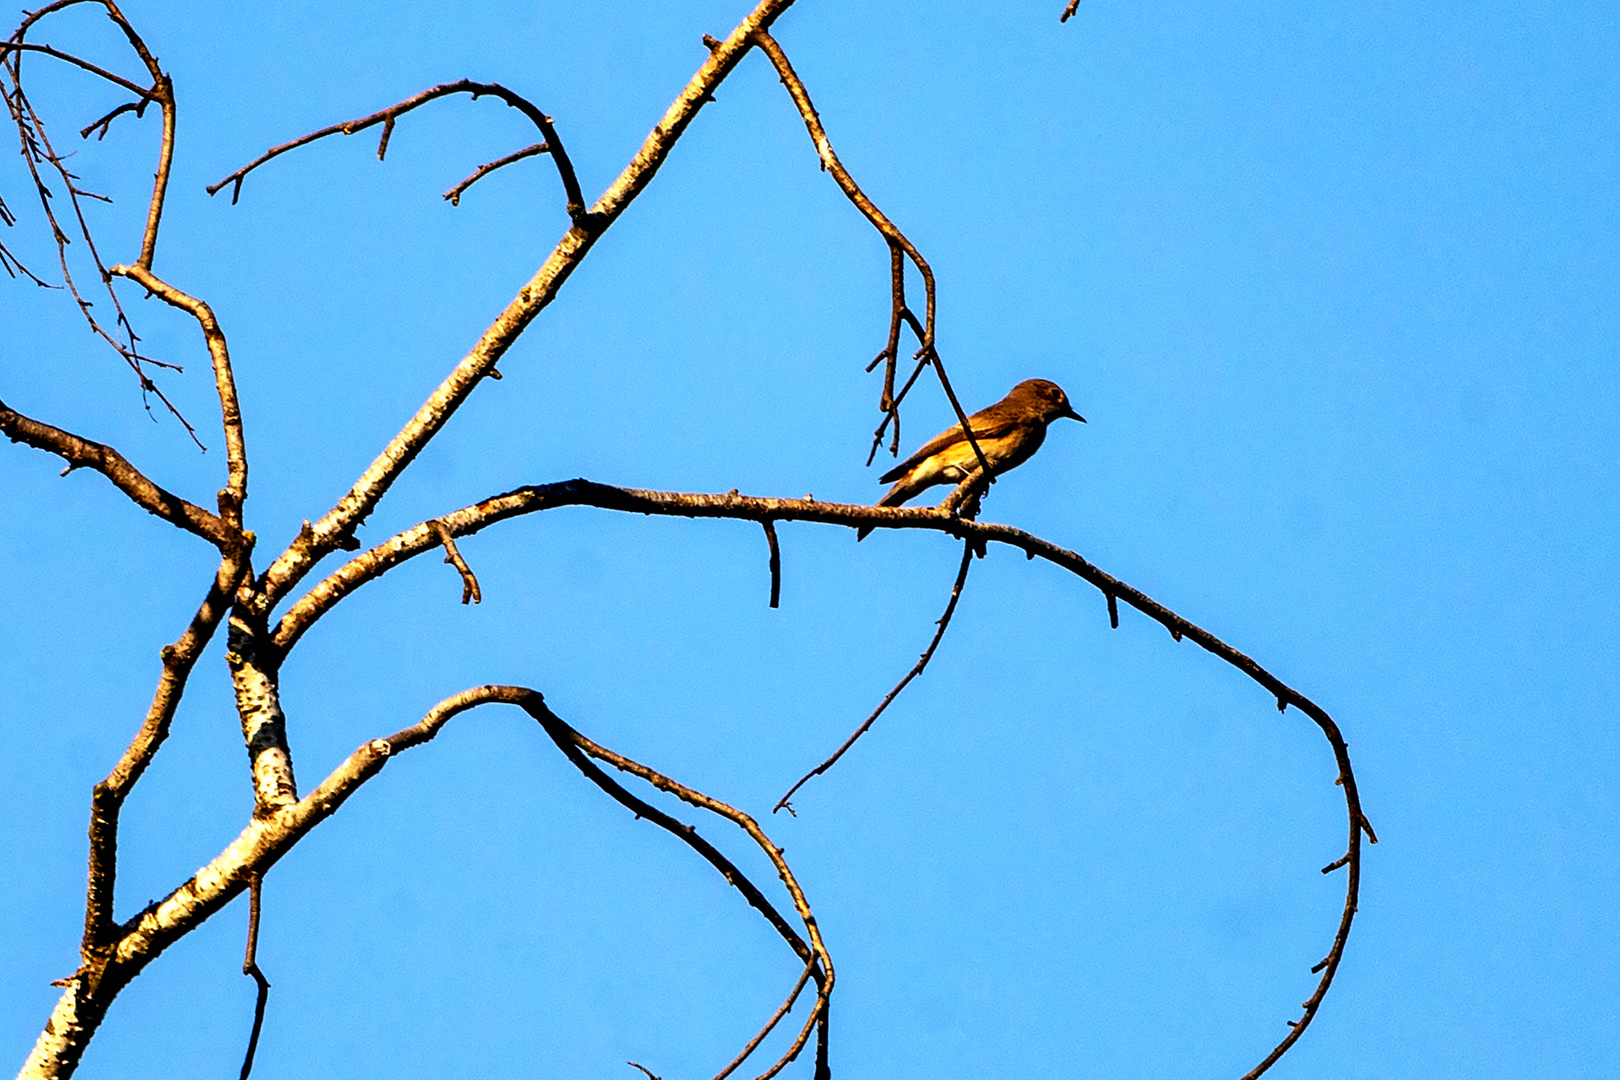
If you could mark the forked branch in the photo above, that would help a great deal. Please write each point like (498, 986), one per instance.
(268, 838)
(927, 350)
(390, 116)
(336, 527)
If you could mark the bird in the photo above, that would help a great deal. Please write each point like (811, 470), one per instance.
(1008, 432)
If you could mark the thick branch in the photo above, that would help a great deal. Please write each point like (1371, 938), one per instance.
(332, 529)
(256, 677)
(268, 837)
(107, 800)
(84, 454)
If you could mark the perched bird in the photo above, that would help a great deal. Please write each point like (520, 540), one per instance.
(1008, 432)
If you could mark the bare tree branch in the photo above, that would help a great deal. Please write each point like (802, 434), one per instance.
(46, 50)
(389, 116)
(107, 799)
(337, 525)
(896, 239)
(776, 562)
(235, 493)
(453, 196)
(470, 592)
(412, 542)
(942, 623)
(37, 150)
(250, 966)
(82, 453)
(267, 838)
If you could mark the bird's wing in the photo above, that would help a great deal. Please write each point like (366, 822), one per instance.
(987, 423)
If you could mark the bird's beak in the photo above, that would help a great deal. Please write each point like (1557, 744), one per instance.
(1068, 410)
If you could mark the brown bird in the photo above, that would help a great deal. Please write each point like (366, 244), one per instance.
(1008, 432)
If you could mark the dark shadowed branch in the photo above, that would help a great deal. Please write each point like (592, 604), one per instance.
(375, 562)
(390, 116)
(250, 967)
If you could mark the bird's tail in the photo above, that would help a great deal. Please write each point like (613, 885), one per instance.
(896, 496)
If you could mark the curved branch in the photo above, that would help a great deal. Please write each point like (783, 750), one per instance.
(897, 242)
(453, 196)
(268, 838)
(85, 454)
(389, 116)
(337, 525)
(100, 72)
(412, 542)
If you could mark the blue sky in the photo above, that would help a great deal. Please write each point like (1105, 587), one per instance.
(1335, 288)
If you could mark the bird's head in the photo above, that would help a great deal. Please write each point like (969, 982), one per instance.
(1047, 398)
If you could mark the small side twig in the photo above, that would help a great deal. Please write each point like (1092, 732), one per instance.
(1068, 12)
(470, 593)
(453, 196)
(770, 1025)
(250, 966)
(917, 669)
(776, 562)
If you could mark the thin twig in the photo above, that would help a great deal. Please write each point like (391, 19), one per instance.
(1068, 11)
(776, 562)
(105, 123)
(250, 966)
(470, 593)
(453, 196)
(117, 80)
(782, 1010)
(943, 622)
